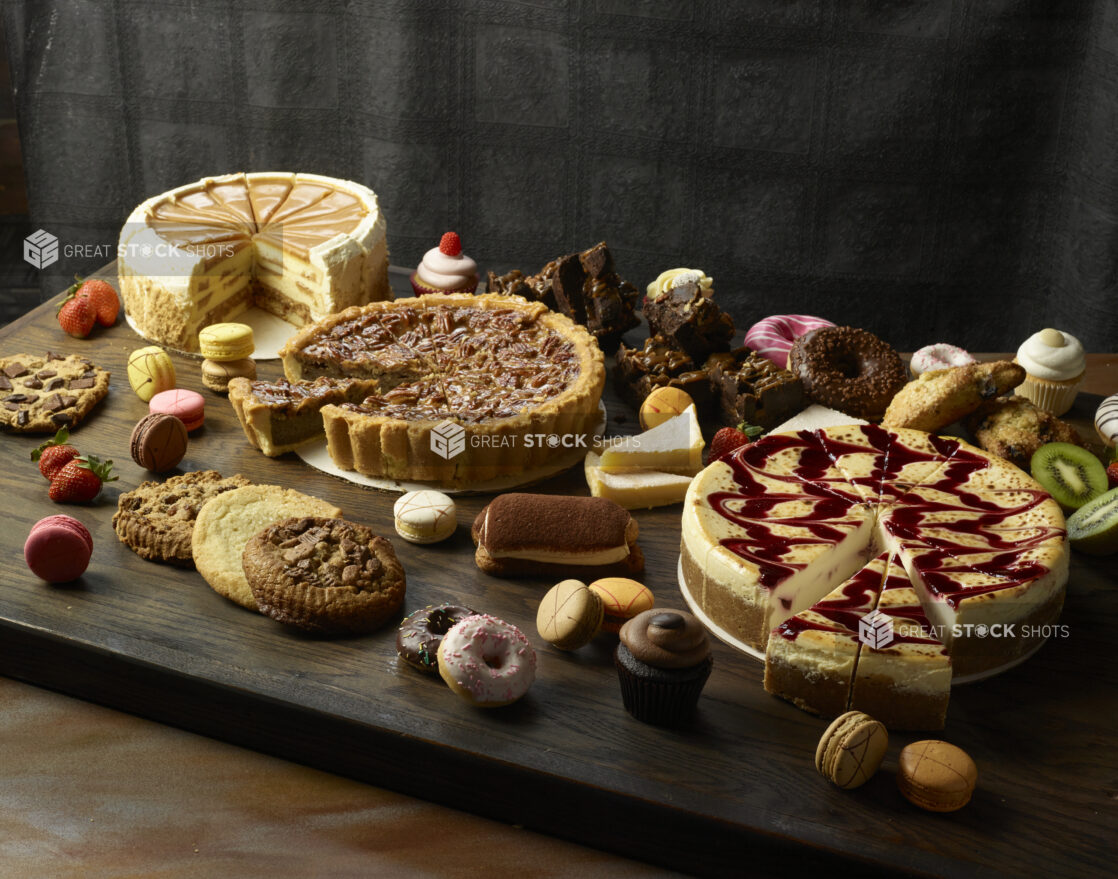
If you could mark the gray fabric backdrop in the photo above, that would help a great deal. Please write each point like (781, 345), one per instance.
(932, 170)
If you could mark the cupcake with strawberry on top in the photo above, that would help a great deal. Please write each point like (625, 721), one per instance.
(445, 269)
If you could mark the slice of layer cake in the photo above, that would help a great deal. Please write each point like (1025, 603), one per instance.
(903, 672)
(811, 657)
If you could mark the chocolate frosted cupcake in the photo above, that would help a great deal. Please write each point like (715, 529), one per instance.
(663, 662)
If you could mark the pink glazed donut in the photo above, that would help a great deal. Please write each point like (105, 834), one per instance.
(487, 661)
(773, 336)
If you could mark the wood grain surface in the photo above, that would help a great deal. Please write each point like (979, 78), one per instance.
(735, 792)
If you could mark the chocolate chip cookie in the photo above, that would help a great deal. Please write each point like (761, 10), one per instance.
(156, 519)
(324, 575)
(41, 393)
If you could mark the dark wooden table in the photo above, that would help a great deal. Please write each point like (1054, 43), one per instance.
(735, 793)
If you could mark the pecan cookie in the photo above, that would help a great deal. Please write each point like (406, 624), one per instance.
(156, 520)
(41, 393)
(324, 575)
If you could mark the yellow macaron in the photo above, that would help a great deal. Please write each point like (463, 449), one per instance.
(226, 341)
(150, 372)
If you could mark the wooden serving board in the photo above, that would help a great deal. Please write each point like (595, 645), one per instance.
(734, 794)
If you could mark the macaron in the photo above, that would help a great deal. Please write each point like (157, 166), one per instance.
(851, 749)
(570, 615)
(58, 549)
(188, 406)
(228, 341)
(622, 599)
(662, 404)
(936, 776)
(424, 516)
(150, 372)
(158, 442)
(216, 374)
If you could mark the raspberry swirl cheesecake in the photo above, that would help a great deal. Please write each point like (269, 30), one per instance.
(470, 387)
(776, 527)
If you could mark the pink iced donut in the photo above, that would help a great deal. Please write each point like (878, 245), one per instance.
(773, 336)
(938, 356)
(487, 661)
(58, 549)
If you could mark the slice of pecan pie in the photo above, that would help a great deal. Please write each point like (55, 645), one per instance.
(470, 387)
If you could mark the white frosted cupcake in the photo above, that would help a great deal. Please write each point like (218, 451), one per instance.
(1054, 365)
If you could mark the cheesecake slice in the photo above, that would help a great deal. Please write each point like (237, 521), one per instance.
(811, 657)
(676, 445)
(637, 489)
(903, 672)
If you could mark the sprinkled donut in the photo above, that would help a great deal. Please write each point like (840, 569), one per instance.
(487, 661)
(1106, 420)
(773, 336)
(848, 369)
(938, 356)
(421, 633)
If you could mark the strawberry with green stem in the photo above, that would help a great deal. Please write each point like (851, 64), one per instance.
(54, 454)
(728, 439)
(80, 480)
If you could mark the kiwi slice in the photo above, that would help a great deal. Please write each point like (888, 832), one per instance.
(1093, 528)
(1071, 474)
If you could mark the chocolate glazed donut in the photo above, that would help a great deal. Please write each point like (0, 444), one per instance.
(848, 369)
(421, 632)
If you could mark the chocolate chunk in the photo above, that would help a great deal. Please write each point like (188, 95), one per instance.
(79, 383)
(69, 400)
(23, 417)
(62, 418)
(21, 398)
(52, 356)
(32, 383)
(12, 407)
(5, 385)
(15, 370)
(53, 403)
(46, 373)
(56, 383)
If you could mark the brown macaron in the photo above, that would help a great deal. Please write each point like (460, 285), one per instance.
(216, 374)
(851, 749)
(936, 776)
(158, 442)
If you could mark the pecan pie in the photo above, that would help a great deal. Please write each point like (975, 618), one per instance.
(471, 387)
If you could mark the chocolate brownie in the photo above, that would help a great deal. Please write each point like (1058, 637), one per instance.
(685, 314)
(753, 389)
(41, 393)
(324, 575)
(658, 364)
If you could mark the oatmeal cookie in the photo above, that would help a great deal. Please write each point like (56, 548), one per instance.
(229, 521)
(324, 575)
(156, 520)
(41, 393)
(943, 396)
(1014, 428)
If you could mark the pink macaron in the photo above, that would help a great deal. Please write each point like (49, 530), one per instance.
(187, 406)
(58, 549)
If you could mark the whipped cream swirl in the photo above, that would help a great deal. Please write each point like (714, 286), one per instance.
(1052, 355)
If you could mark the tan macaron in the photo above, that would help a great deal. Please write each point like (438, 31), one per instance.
(570, 615)
(851, 749)
(936, 776)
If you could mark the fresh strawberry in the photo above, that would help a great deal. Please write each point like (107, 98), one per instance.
(54, 454)
(730, 438)
(1112, 473)
(80, 480)
(76, 317)
(450, 244)
(103, 298)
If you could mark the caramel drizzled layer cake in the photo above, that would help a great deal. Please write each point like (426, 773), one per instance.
(298, 245)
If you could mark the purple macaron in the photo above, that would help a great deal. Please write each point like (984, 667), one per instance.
(58, 549)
